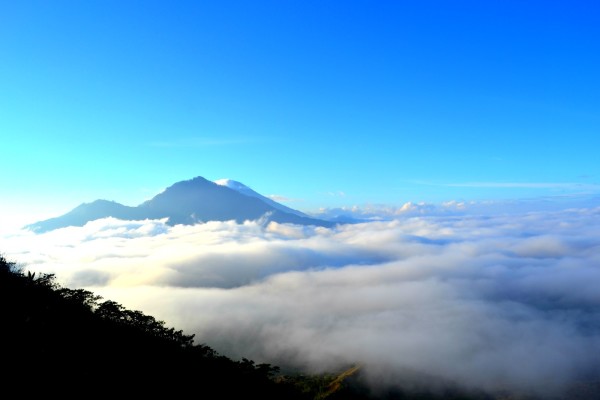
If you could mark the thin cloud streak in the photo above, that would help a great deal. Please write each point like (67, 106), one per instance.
(493, 302)
(198, 142)
(577, 189)
(526, 185)
(281, 199)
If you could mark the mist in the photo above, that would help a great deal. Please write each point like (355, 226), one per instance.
(485, 301)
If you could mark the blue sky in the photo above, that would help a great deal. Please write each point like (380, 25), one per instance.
(326, 103)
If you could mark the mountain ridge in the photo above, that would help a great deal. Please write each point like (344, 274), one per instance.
(243, 189)
(186, 202)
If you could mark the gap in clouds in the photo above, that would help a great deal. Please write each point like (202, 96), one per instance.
(487, 301)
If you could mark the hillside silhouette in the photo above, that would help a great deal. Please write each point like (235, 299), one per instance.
(56, 341)
(67, 342)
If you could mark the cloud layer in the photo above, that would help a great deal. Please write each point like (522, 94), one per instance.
(486, 301)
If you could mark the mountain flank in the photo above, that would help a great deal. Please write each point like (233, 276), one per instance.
(187, 202)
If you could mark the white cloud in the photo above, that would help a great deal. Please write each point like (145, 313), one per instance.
(489, 301)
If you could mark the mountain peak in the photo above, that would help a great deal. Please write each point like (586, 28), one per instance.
(224, 181)
(230, 183)
(188, 202)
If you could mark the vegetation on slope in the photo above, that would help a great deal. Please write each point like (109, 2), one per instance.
(60, 341)
(56, 341)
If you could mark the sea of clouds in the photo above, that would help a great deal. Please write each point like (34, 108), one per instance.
(487, 300)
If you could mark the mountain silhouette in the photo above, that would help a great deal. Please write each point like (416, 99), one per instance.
(187, 202)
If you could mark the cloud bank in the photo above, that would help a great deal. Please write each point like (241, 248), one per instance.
(495, 302)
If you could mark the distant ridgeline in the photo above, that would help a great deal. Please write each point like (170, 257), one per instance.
(187, 202)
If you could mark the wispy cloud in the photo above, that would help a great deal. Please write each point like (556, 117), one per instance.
(454, 208)
(336, 193)
(493, 302)
(198, 142)
(281, 199)
(525, 185)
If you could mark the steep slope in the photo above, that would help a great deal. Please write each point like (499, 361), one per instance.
(243, 189)
(66, 343)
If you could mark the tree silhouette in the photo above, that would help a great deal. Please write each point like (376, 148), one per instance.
(57, 341)
(67, 342)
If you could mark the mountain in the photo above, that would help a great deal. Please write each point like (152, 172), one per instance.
(187, 202)
(243, 189)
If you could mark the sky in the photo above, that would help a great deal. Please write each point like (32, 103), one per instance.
(464, 133)
(320, 103)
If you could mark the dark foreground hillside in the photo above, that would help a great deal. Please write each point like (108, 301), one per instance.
(56, 341)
